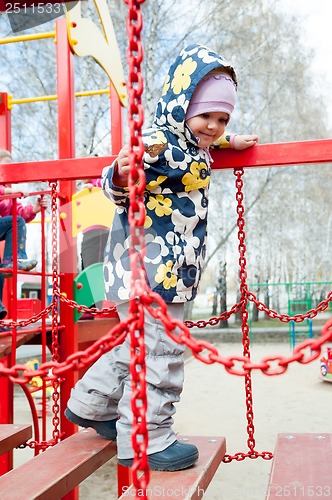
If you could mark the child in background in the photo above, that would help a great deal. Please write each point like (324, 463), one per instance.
(93, 244)
(196, 105)
(25, 213)
(94, 238)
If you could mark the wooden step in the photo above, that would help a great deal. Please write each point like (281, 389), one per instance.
(91, 330)
(88, 332)
(12, 435)
(53, 473)
(23, 336)
(301, 467)
(189, 483)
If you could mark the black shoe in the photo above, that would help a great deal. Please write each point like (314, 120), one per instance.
(105, 428)
(177, 456)
(3, 311)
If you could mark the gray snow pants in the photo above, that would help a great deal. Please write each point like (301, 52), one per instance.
(104, 391)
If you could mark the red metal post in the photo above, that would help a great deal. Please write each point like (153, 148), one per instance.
(6, 387)
(6, 143)
(67, 252)
(116, 122)
(5, 122)
(6, 414)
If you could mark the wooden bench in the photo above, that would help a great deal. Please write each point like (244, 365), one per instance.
(189, 483)
(301, 467)
(53, 473)
(12, 435)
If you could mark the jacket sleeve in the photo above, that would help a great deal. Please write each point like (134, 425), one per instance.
(225, 141)
(26, 212)
(93, 182)
(119, 195)
(96, 182)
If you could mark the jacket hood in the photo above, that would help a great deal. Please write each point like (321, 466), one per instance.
(192, 64)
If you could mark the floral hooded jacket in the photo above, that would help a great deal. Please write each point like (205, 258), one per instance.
(176, 195)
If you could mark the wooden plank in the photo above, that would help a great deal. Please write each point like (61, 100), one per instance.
(88, 332)
(91, 330)
(301, 467)
(189, 483)
(54, 473)
(23, 336)
(12, 435)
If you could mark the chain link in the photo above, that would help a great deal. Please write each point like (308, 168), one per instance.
(136, 217)
(55, 313)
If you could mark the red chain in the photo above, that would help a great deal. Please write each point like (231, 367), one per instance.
(244, 310)
(136, 218)
(142, 298)
(55, 309)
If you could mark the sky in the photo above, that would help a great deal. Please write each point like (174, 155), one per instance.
(316, 16)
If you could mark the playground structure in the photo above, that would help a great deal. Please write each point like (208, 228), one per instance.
(71, 353)
(292, 298)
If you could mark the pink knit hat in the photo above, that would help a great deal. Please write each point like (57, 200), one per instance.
(216, 92)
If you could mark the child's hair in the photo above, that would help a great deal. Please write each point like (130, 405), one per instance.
(5, 154)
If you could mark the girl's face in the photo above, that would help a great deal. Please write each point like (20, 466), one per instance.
(208, 127)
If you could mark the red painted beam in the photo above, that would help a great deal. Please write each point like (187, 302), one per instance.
(269, 155)
(52, 170)
(262, 155)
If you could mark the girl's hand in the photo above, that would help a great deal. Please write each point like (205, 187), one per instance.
(41, 202)
(244, 141)
(122, 168)
(123, 161)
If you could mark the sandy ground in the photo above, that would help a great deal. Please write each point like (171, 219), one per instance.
(213, 404)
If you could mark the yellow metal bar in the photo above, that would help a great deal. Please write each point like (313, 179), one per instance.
(54, 97)
(38, 221)
(92, 92)
(27, 38)
(32, 99)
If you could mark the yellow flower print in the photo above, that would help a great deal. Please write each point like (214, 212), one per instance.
(161, 205)
(198, 178)
(157, 137)
(182, 80)
(147, 222)
(166, 85)
(164, 275)
(156, 183)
